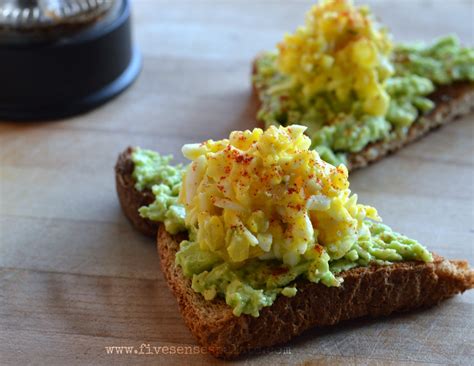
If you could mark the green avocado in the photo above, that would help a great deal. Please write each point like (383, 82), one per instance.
(249, 287)
(153, 171)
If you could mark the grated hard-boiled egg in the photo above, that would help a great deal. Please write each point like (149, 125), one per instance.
(264, 194)
(340, 50)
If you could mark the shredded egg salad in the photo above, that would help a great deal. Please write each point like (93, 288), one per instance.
(262, 210)
(340, 51)
(340, 75)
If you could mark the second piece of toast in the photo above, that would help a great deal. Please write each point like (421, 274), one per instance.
(451, 102)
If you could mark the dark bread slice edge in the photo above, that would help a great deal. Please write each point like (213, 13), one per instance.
(366, 292)
(369, 291)
(451, 102)
(130, 198)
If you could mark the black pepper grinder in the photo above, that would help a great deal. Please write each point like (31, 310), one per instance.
(63, 57)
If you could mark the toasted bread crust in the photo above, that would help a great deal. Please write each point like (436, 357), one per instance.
(451, 102)
(366, 292)
(130, 198)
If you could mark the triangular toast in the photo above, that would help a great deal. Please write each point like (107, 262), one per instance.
(366, 291)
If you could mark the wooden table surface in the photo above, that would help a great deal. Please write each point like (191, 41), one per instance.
(75, 278)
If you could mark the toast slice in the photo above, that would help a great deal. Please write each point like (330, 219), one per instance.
(366, 291)
(451, 102)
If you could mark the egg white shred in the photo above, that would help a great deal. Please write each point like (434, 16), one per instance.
(265, 195)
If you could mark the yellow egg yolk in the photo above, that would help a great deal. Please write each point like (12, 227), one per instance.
(340, 50)
(264, 194)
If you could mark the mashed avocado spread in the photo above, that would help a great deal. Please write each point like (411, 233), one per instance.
(340, 76)
(154, 172)
(262, 210)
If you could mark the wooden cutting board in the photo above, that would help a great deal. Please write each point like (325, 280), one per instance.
(76, 279)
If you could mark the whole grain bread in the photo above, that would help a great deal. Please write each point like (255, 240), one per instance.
(451, 102)
(366, 292)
